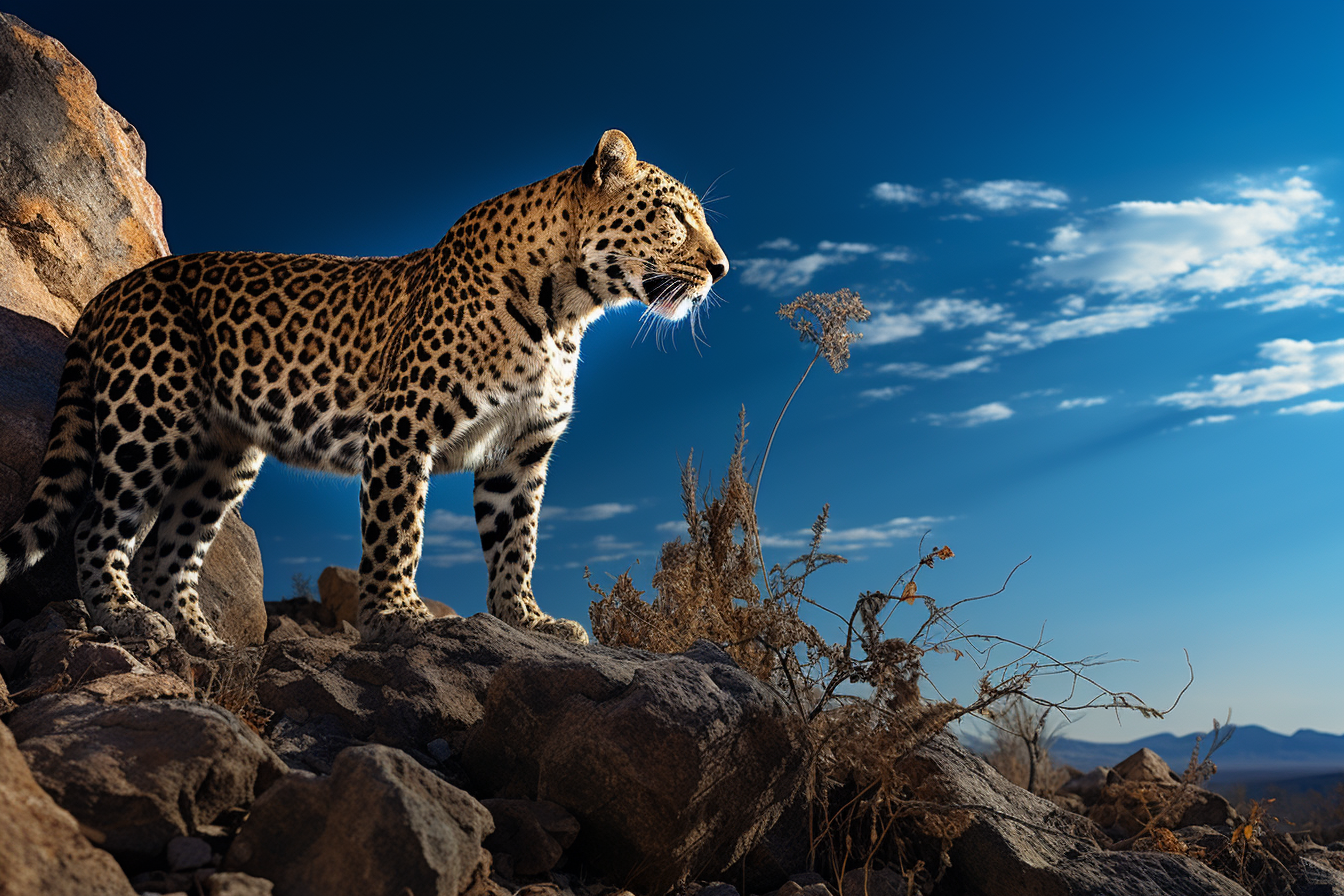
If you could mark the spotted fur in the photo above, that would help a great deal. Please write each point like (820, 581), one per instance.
(182, 376)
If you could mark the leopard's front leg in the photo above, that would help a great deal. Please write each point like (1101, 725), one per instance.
(507, 503)
(392, 516)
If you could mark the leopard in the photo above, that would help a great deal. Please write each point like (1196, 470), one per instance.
(183, 376)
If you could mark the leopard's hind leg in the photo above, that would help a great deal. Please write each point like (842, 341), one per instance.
(169, 563)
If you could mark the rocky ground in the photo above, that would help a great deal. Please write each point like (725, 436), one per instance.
(476, 759)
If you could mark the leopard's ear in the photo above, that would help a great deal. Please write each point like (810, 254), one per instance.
(612, 165)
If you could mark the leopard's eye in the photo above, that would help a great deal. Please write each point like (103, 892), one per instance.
(681, 216)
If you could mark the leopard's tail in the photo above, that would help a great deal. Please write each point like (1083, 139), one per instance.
(63, 481)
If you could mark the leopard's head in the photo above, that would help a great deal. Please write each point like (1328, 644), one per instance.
(642, 234)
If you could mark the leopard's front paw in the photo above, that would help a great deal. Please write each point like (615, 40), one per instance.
(136, 622)
(396, 624)
(564, 629)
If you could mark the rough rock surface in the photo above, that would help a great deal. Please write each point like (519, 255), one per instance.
(674, 765)
(76, 213)
(144, 772)
(235, 883)
(380, 824)
(404, 695)
(41, 848)
(533, 833)
(1146, 765)
(1018, 844)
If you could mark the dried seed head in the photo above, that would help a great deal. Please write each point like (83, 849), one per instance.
(828, 324)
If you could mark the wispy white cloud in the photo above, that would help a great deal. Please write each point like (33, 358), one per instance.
(903, 254)
(444, 521)
(780, 244)
(442, 540)
(875, 536)
(1193, 246)
(990, 195)
(784, 274)
(977, 416)
(443, 561)
(881, 534)
(606, 549)
(884, 393)
(1297, 367)
(672, 527)
(797, 541)
(1008, 195)
(1070, 404)
(847, 248)
(1295, 296)
(1311, 408)
(1213, 418)
(1078, 324)
(921, 371)
(300, 561)
(592, 513)
(901, 194)
(943, 314)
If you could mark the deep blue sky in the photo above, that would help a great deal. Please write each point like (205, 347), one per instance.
(1119, 223)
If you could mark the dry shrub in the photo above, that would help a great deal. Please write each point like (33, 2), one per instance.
(230, 680)
(1021, 751)
(858, 698)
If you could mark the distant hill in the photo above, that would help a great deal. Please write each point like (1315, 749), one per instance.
(1253, 754)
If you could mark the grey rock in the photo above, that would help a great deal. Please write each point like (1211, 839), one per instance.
(717, 889)
(872, 882)
(534, 834)
(673, 765)
(404, 695)
(1018, 844)
(1317, 879)
(339, 589)
(80, 655)
(42, 850)
(380, 824)
(187, 853)
(1088, 787)
(235, 883)
(1145, 765)
(142, 773)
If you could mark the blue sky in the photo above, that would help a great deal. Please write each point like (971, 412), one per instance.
(1101, 246)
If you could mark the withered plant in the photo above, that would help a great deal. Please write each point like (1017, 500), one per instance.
(861, 700)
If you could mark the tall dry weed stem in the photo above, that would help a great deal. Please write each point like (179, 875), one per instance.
(859, 699)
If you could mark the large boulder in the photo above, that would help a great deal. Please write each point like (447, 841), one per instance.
(674, 766)
(143, 772)
(380, 825)
(41, 847)
(1017, 844)
(326, 693)
(76, 213)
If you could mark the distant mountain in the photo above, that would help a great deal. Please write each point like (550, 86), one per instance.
(1253, 753)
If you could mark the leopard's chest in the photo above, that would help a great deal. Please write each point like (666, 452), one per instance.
(504, 412)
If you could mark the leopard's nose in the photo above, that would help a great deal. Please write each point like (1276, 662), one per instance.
(718, 268)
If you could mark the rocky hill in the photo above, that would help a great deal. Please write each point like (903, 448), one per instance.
(476, 759)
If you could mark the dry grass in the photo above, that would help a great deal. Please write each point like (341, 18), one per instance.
(230, 680)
